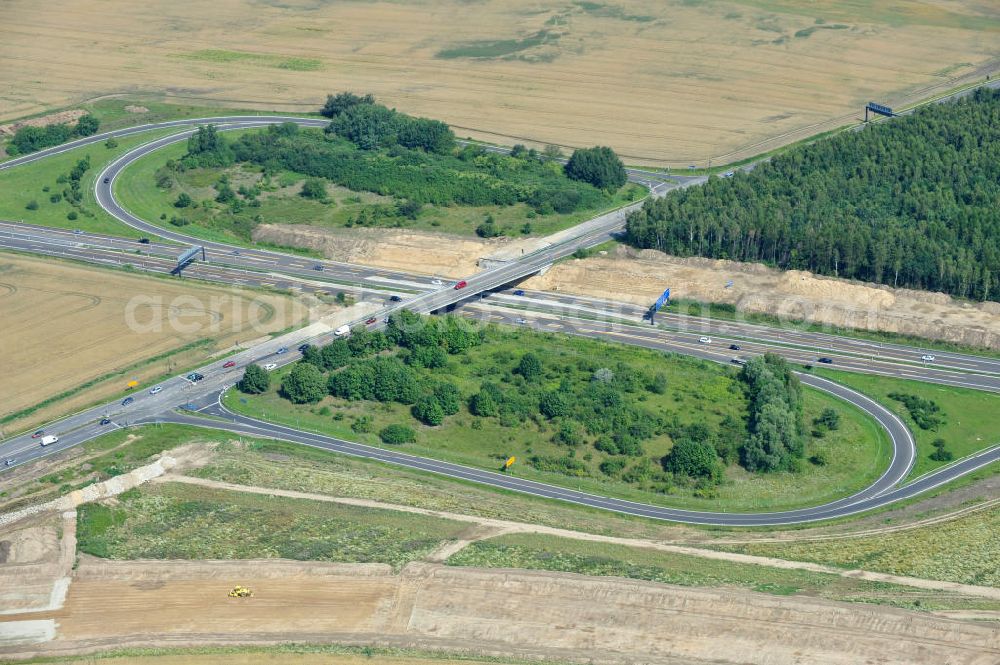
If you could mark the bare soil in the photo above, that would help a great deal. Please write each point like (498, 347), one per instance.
(792, 294)
(506, 611)
(87, 322)
(672, 82)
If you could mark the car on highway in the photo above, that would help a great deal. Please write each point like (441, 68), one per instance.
(283, 349)
(825, 360)
(520, 321)
(735, 347)
(127, 401)
(107, 180)
(461, 285)
(519, 292)
(739, 361)
(40, 433)
(318, 267)
(78, 232)
(395, 299)
(436, 282)
(236, 252)
(303, 347)
(143, 241)
(728, 174)
(927, 358)
(270, 366)
(705, 340)
(105, 421)
(342, 331)
(156, 390)
(228, 364)
(9, 462)
(370, 321)
(49, 440)
(194, 377)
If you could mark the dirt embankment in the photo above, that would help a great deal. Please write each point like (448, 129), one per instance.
(640, 276)
(43, 121)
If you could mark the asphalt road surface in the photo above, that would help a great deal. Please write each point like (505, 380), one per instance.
(202, 395)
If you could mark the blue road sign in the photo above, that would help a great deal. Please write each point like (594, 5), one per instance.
(662, 300)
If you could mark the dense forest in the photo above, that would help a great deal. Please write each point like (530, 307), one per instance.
(910, 202)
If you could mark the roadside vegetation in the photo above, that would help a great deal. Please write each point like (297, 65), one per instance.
(855, 206)
(588, 414)
(544, 552)
(964, 550)
(47, 192)
(31, 139)
(957, 421)
(371, 167)
(176, 521)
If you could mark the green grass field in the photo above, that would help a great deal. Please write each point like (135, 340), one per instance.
(176, 521)
(603, 559)
(965, 550)
(137, 190)
(697, 391)
(970, 415)
(21, 185)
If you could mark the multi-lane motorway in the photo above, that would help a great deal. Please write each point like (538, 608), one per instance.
(548, 311)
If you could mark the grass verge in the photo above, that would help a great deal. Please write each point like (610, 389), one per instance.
(964, 550)
(176, 521)
(602, 559)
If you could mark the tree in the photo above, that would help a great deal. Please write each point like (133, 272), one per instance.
(183, 200)
(484, 404)
(87, 125)
(255, 381)
(314, 188)
(396, 435)
(448, 397)
(941, 453)
(696, 459)
(829, 419)
(337, 104)
(530, 367)
(489, 228)
(428, 410)
(304, 384)
(598, 166)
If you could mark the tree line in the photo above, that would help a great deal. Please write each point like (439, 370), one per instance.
(908, 203)
(32, 139)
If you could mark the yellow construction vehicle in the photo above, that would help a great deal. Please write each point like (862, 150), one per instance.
(240, 592)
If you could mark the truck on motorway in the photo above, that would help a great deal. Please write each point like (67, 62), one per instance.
(342, 330)
(49, 440)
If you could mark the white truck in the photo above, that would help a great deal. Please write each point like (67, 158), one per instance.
(342, 331)
(49, 440)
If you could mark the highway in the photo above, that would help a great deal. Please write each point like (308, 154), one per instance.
(548, 312)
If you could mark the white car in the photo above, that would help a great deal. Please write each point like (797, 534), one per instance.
(927, 358)
(437, 282)
(705, 340)
(156, 391)
(270, 366)
(520, 321)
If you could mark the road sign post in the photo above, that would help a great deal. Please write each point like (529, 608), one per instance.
(660, 302)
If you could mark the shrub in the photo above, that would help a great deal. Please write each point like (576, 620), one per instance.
(428, 410)
(362, 425)
(314, 188)
(396, 435)
(829, 419)
(32, 205)
(71, 215)
(941, 453)
(696, 459)
(183, 200)
(304, 384)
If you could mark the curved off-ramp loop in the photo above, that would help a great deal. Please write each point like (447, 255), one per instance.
(882, 492)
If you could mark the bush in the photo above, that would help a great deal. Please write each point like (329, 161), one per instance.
(362, 425)
(695, 459)
(829, 419)
(255, 381)
(32, 205)
(941, 454)
(925, 413)
(71, 215)
(314, 188)
(598, 166)
(337, 104)
(55, 198)
(110, 144)
(530, 367)
(488, 229)
(396, 435)
(428, 411)
(183, 200)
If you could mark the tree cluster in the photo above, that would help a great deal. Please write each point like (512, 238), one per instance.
(30, 139)
(925, 412)
(371, 126)
(598, 166)
(775, 415)
(910, 203)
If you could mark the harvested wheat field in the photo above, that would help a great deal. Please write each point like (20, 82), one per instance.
(88, 323)
(671, 81)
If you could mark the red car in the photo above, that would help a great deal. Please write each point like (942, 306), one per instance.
(370, 321)
(38, 434)
(230, 363)
(461, 285)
